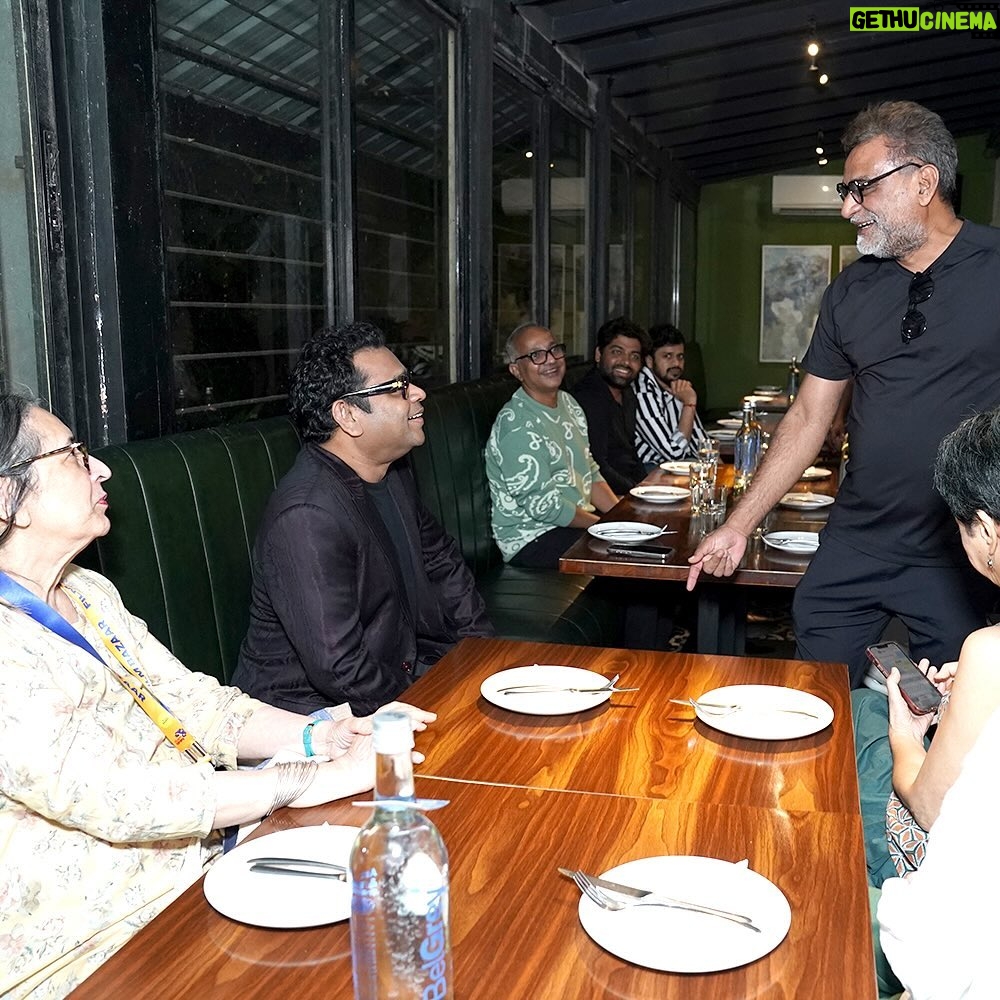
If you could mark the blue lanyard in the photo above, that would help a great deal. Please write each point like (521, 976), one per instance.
(20, 597)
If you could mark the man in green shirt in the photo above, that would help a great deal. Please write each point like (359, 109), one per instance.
(544, 483)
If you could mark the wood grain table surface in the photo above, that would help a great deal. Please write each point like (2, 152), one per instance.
(790, 808)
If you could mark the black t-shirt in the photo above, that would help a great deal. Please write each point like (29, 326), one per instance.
(908, 396)
(380, 496)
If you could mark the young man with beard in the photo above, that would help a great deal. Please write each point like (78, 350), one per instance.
(667, 427)
(606, 395)
(914, 325)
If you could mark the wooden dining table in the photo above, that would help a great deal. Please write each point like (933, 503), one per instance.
(721, 601)
(635, 777)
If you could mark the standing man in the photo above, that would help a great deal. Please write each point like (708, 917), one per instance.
(916, 323)
(667, 426)
(544, 483)
(357, 590)
(606, 395)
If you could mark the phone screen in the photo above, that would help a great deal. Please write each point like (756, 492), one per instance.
(918, 692)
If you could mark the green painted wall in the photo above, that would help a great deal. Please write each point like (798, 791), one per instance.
(734, 222)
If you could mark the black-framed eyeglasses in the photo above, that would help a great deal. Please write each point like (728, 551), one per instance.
(914, 322)
(857, 189)
(540, 356)
(77, 447)
(401, 384)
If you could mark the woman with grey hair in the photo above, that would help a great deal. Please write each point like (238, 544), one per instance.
(117, 764)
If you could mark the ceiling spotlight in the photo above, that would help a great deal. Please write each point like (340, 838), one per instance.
(819, 150)
(822, 161)
(528, 155)
(823, 79)
(812, 49)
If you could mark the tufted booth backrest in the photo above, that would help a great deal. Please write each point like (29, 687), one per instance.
(184, 512)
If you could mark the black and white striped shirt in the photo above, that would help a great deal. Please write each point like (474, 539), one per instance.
(657, 419)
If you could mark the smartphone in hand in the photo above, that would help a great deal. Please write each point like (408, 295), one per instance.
(920, 695)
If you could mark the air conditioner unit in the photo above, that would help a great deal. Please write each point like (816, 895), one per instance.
(804, 195)
(566, 194)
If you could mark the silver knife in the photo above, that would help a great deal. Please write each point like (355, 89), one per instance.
(288, 870)
(630, 890)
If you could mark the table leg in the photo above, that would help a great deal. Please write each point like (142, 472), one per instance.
(722, 619)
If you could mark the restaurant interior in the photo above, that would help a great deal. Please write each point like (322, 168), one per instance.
(195, 188)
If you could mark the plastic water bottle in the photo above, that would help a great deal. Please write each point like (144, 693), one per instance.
(747, 448)
(399, 867)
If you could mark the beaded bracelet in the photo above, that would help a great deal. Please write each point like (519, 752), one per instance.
(307, 738)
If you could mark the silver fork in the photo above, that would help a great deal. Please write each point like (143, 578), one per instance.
(602, 899)
(542, 688)
(714, 708)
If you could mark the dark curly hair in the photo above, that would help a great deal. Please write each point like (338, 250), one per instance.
(18, 443)
(622, 327)
(967, 468)
(324, 372)
(663, 334)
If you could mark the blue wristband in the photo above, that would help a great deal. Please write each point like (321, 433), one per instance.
(307, 738)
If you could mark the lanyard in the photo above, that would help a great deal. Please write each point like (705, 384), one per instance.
(134, 680)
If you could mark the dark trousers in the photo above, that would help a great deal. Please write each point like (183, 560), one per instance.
(847, 598)
(545, 550)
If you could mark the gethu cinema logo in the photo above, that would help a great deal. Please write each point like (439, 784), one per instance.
(915, 19)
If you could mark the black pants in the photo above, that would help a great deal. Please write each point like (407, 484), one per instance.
(545, 550)
(847, 598)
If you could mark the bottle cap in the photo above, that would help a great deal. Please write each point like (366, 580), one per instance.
(392, 732)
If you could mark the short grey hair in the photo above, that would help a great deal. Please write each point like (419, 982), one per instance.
(18, 443)
(509, 348)
(911, 131)
(967, 468)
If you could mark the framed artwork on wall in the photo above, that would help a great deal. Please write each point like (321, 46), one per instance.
(848, 255)
(792, 282)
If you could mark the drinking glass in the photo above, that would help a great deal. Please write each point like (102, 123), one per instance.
(700, 477)
(708, 454)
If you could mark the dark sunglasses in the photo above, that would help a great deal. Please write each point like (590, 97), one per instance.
(857, 189)
(914, 322)
(77, 447)
(401, 384)
(558, 351)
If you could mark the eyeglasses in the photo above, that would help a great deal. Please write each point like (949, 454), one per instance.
(914, 322)
(538, 357)
(401, 384)
(857, 189)
(77, 447)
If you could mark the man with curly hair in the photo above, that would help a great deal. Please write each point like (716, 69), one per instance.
(357, 590)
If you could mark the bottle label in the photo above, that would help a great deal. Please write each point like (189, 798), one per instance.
(433, 948)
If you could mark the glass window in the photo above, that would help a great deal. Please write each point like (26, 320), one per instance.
(643, 189)
(404, 223)
(514, 164)
(568, 231)
(618, 211)
(242, 201)
(23, 355)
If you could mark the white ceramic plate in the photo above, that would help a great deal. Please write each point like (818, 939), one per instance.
(758, 717)
(676, 468)
(672, 940)
(267, 900)
(545, 703)
(760, 398)
(660, 494)
(733, 422)
(623, 531)
(723, 433)
(767, 390)
(798, 542)
(805, 501)
(815, 472)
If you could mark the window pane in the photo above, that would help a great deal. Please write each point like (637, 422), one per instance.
(568, 261)
(22, 309)
(642, 250)
(618, 205)
(404, 202)
(242, 200)
(513, 208)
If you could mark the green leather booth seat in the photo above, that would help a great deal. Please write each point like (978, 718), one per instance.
(184, 511)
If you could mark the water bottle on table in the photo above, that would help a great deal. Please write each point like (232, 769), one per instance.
(399, 869)
(747, 448)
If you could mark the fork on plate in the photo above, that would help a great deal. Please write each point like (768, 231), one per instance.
(596, 894)
(716, 708)
(556, 689)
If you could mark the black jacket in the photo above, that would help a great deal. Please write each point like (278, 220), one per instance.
(611, 428)
(330, 620)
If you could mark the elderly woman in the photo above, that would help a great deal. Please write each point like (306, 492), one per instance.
(117, 764)
(967, 475)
